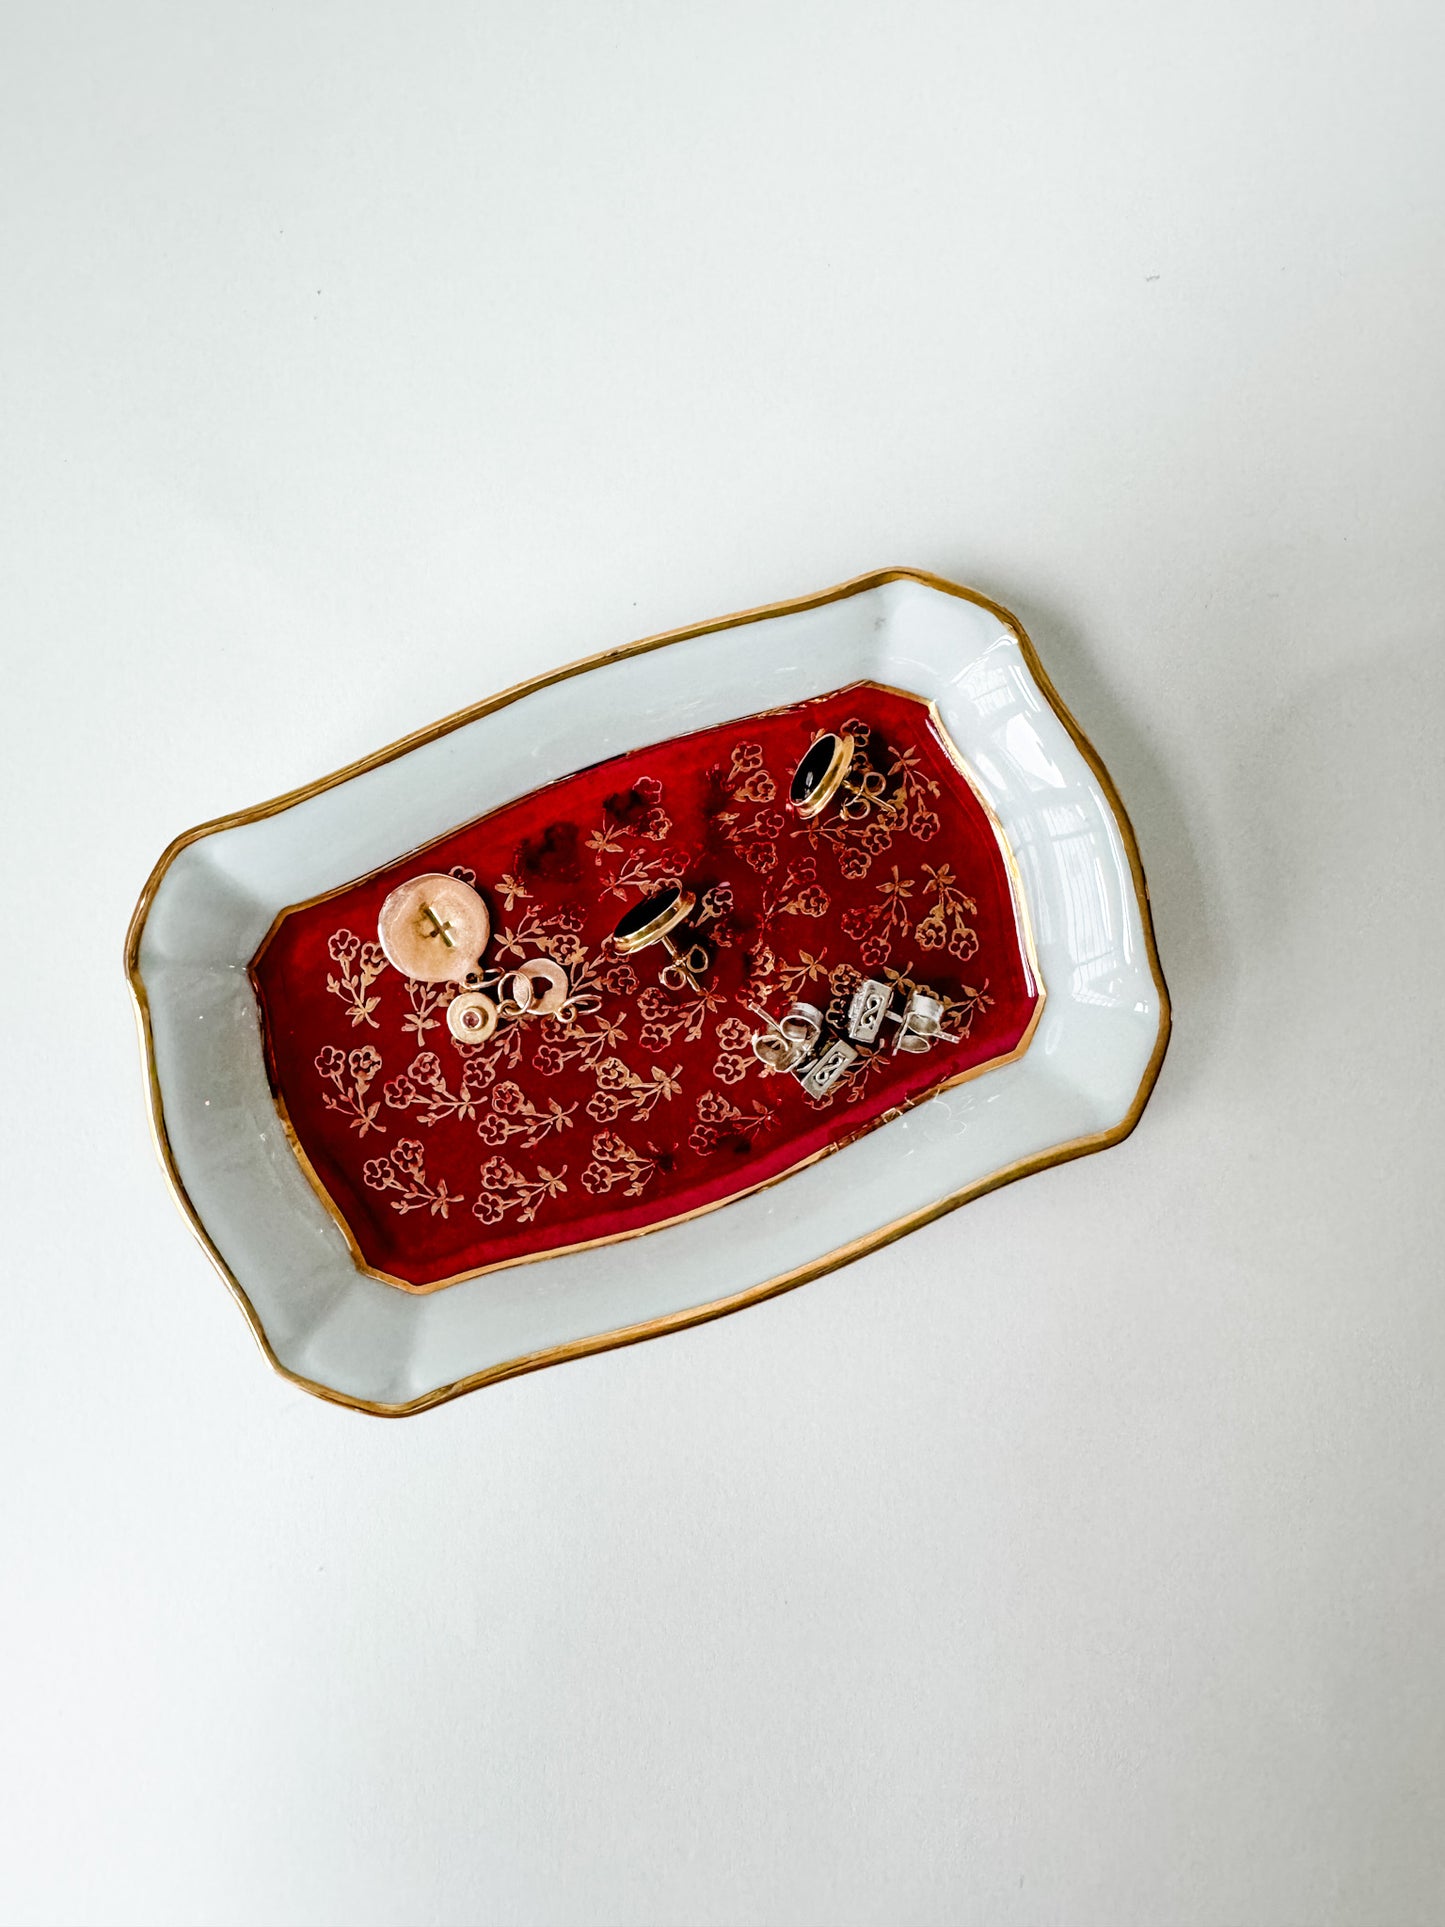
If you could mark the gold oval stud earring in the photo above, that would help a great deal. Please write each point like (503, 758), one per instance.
(834, 768)
(656, 920)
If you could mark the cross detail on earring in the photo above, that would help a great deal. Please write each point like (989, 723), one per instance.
(439, 928)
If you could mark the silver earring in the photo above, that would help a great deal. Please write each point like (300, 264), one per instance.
(919, 1018)
(792, 1043)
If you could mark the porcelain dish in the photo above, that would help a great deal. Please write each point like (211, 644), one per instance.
(1080, 1085)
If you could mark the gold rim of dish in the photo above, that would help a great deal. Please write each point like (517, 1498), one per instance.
(785, 1281)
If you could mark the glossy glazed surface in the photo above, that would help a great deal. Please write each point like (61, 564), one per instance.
(1081, 1084)
(444, 1159)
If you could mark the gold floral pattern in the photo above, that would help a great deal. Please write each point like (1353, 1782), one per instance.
(578, 1042)
(403, 1170)
(798, 894)
(874, 927)
(644, 874)
(665, 1017)
(505, 1189)
(620, 1088)
(914, 794)
(944, 923)
(755, 838)
(423, 1087)
(720, 1122)
(748, 781)
(614, 1162)
(734, 1059)
(358, 965)
(353, 1073)
(636, 812)
(797, 976)
(513, 1114)
(426, 1001)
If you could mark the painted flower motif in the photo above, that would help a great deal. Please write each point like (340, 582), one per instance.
(409, 1155)
(730, 1070)
(747, 780)
(613, 1074)
(426, 1066)
(499, 1175)
(874, 951)
(655, 1037)
(568, 949)
(365, 1062)
(493, 1129)
(733, 1034)
(703, 1139)
(507, 1098)
(924, 824)
(376, 1172)
(548, 1059)
(619, 978)
(489, 1208)
(331, 1062)
(931, 933)
(853, 862)
(965, 945)
(343, 946)
(598, 1178)
(756, 787)
(464, 875)
(402, 1092)
(603, 1106)
(712, 1109)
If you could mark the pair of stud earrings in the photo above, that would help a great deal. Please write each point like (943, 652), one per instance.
(795, 1042)
(834, 768)
(435, 928)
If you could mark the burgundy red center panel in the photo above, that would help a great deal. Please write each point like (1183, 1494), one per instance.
(645, 1103)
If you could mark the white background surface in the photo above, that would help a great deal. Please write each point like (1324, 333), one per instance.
(1079, 1559)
